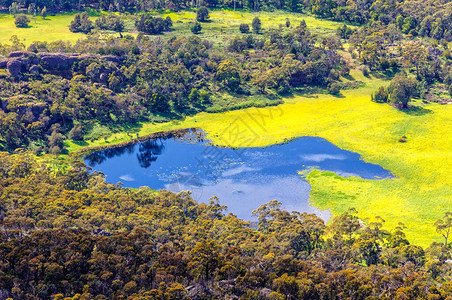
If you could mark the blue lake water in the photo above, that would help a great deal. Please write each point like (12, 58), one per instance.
(242, 178)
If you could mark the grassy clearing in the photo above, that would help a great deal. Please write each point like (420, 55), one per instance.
(223, 25)
(50, 29)
(419, 195)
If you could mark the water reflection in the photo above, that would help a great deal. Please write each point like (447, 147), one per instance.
(242, 178)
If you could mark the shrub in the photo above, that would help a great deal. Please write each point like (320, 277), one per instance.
(196, 28)
(202, 15)
(257, 25)
(401, 90)
(150, 25)
(334, 88)
(81, 23)
(382, 95)
(365, 71)
(110, 22)
(21, 21)
(244, 28)
(76, 133)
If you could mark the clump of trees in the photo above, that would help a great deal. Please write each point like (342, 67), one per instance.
(81, 23)
(147, 77)
(110, 22)
(153, 25)
(21, 21)
(401, 90)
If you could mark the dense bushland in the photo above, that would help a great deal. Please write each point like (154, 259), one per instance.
(68, 233)
(116, 81)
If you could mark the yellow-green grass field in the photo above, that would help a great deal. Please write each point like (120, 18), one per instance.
(223, 25)
(421, 191)
(50, 29)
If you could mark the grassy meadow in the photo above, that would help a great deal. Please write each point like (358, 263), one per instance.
(50, 29)
(223, 24)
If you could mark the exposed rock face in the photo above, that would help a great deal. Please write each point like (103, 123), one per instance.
(197, 291)
(34, 70)
(22, 61)
(58, 61)
(3, 104)
(21, 54)
(103, 78)
(14, 67)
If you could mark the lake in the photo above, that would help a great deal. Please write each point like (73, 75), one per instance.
(242, 178)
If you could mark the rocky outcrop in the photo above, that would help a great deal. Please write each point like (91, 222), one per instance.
(15, 67)
(20, 62)
(34, 70)
(55, 61)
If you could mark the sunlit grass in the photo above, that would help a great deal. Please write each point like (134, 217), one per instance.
(50, 29)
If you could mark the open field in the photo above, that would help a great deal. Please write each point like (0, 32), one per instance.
(419, 194)
(50, 29)
(224, 24)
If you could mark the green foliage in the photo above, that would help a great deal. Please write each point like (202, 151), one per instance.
(244, 28)
(110, 22)
(256, 25)
(81, 23)
(62, 221)
(153, 25)
(382, 95)
(21, 21)
(196, 28)
(98, 132)
(202, 14)
(401, 89)
(334, 88)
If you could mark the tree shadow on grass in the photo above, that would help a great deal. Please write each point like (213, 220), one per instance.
(80, 143)
(417, 111)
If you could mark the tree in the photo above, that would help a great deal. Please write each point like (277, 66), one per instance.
(81, 23)
(414, 54)
(228, 73)
(202, 15)
(44, 12)
(256, 25)
(345, 226)
(21, 21)
(196, 28)
(382, 95)
(444, 226)
(401, 90)
(150, 25)
(14, 8)
(244, 28)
